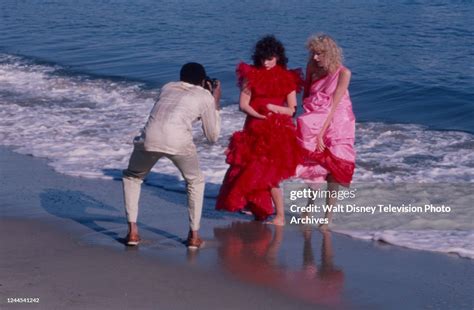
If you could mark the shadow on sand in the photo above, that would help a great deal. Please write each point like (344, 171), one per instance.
(90, 212)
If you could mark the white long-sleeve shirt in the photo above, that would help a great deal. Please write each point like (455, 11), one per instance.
(169, 126)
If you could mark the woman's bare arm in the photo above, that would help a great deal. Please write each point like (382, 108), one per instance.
(244, 104)
(290, 109)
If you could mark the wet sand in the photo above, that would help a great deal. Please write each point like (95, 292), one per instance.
(62, 240)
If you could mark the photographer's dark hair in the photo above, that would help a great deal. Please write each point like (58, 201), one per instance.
(193, 73)
(268, 47)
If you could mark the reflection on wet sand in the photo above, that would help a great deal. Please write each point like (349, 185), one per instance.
(249, 251)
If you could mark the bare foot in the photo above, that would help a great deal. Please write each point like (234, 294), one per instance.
(324, 227)
(276, 222)
(246, 212)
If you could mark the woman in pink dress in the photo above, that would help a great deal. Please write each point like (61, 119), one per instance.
(266, 151)
(326, 129)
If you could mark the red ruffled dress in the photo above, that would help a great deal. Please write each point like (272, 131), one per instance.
(266, 151)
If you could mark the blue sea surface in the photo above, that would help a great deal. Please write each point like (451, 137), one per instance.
(412, 61)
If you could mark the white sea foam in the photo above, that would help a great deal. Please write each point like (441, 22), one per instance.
(460, 243)
(85, 127)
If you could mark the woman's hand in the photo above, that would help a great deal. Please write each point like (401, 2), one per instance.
(320, 142)
(288, 110)
(273, 108)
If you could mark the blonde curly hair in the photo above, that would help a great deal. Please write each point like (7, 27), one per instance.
(324, 44)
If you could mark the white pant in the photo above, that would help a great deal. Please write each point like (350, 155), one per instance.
(140, 165)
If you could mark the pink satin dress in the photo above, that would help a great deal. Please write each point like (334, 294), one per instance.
(338, 159)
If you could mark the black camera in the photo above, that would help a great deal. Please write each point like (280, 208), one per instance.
(210, 84)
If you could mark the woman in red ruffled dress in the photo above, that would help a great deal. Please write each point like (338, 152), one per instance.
(266, 151)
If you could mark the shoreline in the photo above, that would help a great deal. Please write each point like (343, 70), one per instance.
(72, 222)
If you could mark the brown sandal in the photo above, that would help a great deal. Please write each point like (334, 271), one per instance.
(194, 243)
(132, 241)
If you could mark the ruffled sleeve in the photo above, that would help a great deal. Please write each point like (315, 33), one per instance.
(295, 80)
(274, 82)
(244, 73)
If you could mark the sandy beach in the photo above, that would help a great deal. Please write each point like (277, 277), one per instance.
(62, 246)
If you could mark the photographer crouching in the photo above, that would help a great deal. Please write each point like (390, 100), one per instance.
(168, 133)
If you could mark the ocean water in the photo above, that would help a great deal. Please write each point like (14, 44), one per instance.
(77, 81)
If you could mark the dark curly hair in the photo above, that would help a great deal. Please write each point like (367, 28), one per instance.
(268, 47)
